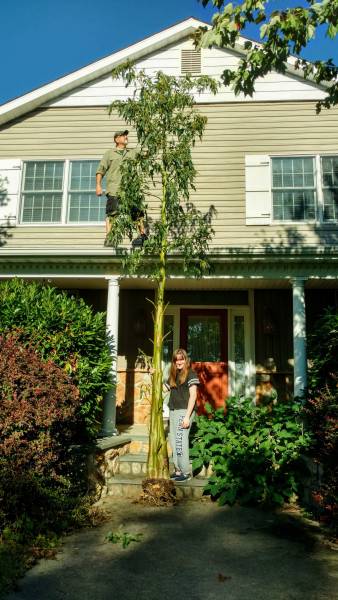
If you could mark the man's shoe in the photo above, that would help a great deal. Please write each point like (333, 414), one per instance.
(139, 241)
(183, 477)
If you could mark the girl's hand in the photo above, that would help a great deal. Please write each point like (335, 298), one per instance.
(186, 422)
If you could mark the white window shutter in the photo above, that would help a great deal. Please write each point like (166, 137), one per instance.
(257, 189)
(10, 178)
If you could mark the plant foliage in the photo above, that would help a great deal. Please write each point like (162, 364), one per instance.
(40, 475)
(323, 351)
(284, 33)
(321, 409)
(255, 452)
(43, 475)
(161, 109)
(64, 329)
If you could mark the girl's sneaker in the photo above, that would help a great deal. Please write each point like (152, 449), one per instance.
(183, 477)
(176, 474)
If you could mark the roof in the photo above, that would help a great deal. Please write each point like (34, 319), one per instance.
(50, 91)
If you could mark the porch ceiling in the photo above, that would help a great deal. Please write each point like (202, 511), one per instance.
(181, 283)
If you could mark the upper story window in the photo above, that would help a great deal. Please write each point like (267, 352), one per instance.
(83, 204)
(305, 188)
(329, 166)
(293, 189)
(42, 192)
(61, 192)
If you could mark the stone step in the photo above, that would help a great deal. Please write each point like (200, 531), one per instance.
(131, 465)
(122, 486)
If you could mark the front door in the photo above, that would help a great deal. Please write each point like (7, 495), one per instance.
(204, 335)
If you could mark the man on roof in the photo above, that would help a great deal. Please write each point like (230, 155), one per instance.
(110, 167)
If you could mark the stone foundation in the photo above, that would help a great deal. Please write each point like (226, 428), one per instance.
(103, 465)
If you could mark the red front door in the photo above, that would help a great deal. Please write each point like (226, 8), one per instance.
(204, 335)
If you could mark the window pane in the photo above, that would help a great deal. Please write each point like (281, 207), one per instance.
(43, 176)
(83, 175)
(86, 207)
(239, 355)
(204, 338)
(330, 204)
(294, 205)
(41, 208)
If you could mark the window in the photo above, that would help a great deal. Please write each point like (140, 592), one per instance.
(83, 204)
(61, 192)
(305, 188)
(329, 166)
(42, 192)
(293, 189)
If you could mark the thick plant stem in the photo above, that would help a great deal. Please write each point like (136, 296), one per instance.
(158, 464)
(158, 456)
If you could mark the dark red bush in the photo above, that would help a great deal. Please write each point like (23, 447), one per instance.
(39, 408)
(40, 475)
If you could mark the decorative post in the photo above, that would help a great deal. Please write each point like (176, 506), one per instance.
(299, 336)
(109, 408)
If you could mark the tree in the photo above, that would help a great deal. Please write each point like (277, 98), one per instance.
(283, 33)
(167, 125)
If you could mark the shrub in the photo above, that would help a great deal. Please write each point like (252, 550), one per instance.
(323, 351)
(255, 452)
(65, 330)
(321, 410)
(321, 413)
(39, 423)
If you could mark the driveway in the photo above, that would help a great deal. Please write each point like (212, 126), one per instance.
(193, 551)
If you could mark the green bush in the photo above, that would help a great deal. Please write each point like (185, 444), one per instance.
(255, 452)
(64, 329)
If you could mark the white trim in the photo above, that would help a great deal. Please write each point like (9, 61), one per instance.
(245, 312)
(65, 186)
(252, 340)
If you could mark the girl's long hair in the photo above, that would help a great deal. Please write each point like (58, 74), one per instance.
(183, 373)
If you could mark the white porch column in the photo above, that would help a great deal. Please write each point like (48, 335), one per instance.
(299, 337)
(109, 408)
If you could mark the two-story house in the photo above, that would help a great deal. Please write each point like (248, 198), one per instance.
(269, 165)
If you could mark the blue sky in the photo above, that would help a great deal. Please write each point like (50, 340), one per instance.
(42, 40)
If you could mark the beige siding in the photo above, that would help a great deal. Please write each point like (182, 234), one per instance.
(233, 130)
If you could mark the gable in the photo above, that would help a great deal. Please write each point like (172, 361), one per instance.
(273, 87)
(92, 85)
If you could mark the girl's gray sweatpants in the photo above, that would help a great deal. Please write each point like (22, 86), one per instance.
(179, 440)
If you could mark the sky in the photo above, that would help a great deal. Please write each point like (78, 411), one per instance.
(42, 40)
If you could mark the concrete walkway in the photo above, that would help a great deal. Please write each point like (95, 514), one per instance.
(194, 551)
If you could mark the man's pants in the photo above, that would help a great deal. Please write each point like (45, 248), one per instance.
(179, 440)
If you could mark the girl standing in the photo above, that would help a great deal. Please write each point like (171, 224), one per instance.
(182, 383)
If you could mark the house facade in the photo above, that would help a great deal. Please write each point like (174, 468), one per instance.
(268, 164)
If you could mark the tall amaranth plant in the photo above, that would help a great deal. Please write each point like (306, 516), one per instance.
(162, 111)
